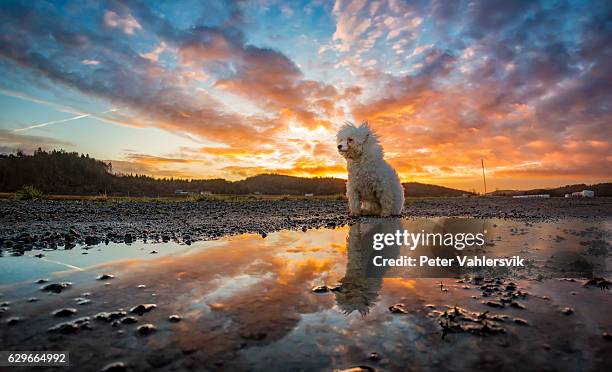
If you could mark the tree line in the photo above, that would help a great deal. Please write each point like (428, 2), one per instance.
(71, 173)
(61, 172)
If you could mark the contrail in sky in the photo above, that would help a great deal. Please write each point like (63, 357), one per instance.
(62, 120)
(61, 108)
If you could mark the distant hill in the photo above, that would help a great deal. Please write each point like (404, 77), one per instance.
(415, 189)
(276, 184)
(61, 172)
(600, 189)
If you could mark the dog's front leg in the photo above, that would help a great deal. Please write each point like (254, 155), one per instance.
(354, 202)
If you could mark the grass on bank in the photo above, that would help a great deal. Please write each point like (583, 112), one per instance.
(29, 193)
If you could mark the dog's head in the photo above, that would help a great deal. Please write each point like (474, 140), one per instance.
(352, 140)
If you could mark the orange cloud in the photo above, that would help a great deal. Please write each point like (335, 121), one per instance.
(535, 113)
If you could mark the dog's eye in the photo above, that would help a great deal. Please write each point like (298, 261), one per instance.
(350, 140)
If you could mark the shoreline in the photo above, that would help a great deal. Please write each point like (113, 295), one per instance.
(51, 223)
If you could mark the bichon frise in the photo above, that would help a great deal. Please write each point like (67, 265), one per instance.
(373, 186)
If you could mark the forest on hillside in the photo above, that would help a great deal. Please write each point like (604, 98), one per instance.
(61, 172)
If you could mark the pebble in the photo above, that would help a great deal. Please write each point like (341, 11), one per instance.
(142, 308)
(174, 318)
(73, 326)
(56, 287)
(115, 367)
(146, 329)
(320, 289)
(129, 320)
(105, 277)
(374, 356)
(567, 311)
(65, 328)
(494, 304)
(110, 316)
(13, 320)
(520, 321)
(516, 305)
(398, 309)
(62, 313)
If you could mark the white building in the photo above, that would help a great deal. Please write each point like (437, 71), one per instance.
(584, 194)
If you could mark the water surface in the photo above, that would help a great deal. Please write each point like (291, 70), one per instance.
(246, 302)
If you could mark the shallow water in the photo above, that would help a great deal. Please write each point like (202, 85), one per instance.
(246, 302)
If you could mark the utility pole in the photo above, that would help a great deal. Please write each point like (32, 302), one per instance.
(484, 180)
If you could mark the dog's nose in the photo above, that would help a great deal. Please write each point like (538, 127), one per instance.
(339, 147)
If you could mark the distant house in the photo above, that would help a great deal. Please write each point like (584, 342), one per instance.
(583, 194)
(309, 194)
(205, 193)
(531, 196)
(180, 192)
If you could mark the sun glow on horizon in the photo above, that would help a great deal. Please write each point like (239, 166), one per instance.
(250, 89)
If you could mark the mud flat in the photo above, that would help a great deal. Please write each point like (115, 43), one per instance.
(25, 225)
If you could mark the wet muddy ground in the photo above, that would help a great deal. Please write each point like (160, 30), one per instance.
(50, 223)
(299, 300)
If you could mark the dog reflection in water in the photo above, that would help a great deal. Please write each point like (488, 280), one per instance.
(362, 281)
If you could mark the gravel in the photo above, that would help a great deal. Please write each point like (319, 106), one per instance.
(26, 225)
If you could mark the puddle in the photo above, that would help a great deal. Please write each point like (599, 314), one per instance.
(246, 302)
(30, 266)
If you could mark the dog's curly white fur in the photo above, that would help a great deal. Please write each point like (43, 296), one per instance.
(373, 187)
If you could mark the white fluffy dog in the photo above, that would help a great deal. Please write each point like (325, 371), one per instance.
(373, 186)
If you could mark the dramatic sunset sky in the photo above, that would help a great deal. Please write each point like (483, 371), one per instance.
(229, 89)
